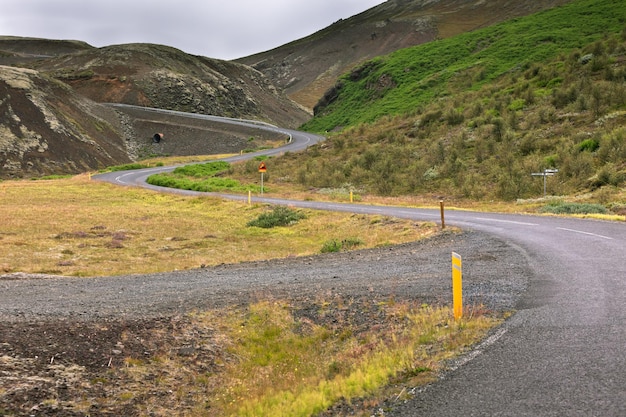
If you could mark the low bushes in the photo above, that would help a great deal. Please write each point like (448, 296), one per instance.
(335, 245)
(200, 177)
(279, 216)
(574, 208)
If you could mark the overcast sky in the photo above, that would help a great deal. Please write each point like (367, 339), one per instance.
(225, 29)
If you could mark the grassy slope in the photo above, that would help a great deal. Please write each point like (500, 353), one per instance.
(475, 115)
(422, 73)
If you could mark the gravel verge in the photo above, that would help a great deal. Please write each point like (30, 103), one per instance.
(58, 333)
(494, 274)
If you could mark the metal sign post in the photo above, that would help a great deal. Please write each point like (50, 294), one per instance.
(262, 170)
(544, 174)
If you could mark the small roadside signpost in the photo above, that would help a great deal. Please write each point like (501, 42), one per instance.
(546, 173)
(443, 219)
(262, 170)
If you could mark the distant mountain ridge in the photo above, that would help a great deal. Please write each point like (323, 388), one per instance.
(306, 68)
(164, 77)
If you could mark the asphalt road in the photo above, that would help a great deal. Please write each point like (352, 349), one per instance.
(562, 354)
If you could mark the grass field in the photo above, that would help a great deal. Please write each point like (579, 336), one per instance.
(79, 227)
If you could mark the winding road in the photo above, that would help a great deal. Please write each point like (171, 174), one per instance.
(564, 351)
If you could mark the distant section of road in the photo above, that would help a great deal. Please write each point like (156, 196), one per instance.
(562, 354)
(298, 141)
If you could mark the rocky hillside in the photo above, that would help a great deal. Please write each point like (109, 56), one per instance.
(164, 77)
(46, 128)
(51, 122)
(305, 69)
(15, 50)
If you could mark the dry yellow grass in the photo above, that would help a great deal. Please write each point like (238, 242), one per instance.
(273, 363)
(80, 227)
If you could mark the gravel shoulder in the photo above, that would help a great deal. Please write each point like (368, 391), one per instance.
(52, 324)
(495, 274)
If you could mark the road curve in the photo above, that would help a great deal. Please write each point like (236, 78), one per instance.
(298, 141)
(562, 354)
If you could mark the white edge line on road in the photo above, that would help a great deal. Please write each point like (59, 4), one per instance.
(479, 349)
(584, 233)
(505, 221)
(119, 179)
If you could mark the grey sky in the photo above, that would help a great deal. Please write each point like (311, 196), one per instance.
(225, 29)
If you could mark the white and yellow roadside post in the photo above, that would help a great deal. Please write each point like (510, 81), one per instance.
(457, 285)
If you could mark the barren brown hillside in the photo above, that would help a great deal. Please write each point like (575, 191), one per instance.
(17, 50)
(164, 77)
(51, 121)
(308, 67)
(46, 128)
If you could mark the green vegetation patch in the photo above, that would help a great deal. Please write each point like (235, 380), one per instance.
(279, 216)
(200, 177)
(129, 167)
(209, 169)
(412, 77)
(300, 366)
(574, 208)
(335, 245)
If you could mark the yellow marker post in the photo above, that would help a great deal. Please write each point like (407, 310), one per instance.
(457, 285)
(249, 197)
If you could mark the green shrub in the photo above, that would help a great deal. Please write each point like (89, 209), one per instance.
(517, 104)
(335, 245)
(209, 169)
(574, 208)
(590, 145)
(351, 243)
(331, 246)
(279, 216)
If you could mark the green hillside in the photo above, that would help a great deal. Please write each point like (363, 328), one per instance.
(474, 116)
(405, 80)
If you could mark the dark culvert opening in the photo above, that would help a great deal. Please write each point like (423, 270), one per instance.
(157, 137)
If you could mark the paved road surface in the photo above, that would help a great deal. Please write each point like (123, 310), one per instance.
(564, 352)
